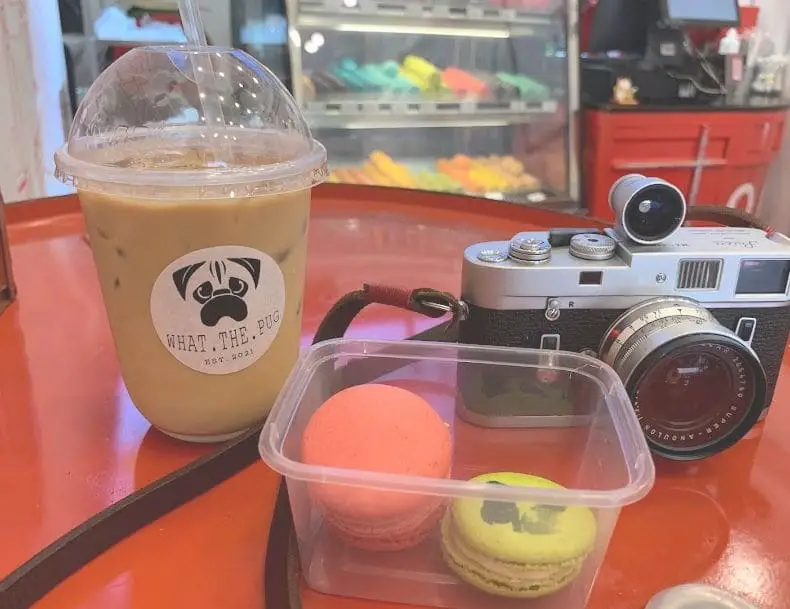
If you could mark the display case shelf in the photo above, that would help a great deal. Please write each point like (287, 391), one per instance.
(399, 113)
(394, 13)
(414, 25)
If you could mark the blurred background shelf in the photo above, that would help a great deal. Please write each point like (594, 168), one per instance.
(406, 24)
(426, 86)
(435, 14)
(418, 81)
(397, 113)
(95, 32)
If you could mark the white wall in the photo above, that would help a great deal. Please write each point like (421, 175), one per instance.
(33, 75)
(216, 15)
(775, 21)
(775, 202)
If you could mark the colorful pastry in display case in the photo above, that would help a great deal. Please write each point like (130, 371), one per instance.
(422, 73)
(460, 173)
(418, 77)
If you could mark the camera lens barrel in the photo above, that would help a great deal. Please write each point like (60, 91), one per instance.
(647, 210)
(695, 386)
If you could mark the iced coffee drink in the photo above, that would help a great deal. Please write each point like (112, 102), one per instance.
(200, 250)
(194, 312)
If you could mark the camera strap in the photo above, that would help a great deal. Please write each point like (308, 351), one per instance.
(31, 581)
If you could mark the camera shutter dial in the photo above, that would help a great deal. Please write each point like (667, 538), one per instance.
(592, 247)
(530, 249)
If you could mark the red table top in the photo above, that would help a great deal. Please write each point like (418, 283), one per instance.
(71, 442)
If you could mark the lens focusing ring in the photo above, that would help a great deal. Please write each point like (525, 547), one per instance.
(640, 337)
(649, 324)
(652, 323)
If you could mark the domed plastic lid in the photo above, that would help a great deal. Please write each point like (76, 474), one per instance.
(697, 596)
(186, 122)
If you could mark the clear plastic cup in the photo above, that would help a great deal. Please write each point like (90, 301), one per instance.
(198, 230)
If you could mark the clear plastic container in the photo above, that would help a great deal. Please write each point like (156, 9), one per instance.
(592, 446)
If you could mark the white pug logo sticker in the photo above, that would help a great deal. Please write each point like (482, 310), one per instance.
(217, 310)
(220, 292)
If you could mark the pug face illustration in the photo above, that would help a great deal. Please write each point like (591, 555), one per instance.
(538, 520)
(219, 287)
(500, 512)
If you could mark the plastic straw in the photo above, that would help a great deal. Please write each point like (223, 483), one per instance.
(192, 23)
(205, 79)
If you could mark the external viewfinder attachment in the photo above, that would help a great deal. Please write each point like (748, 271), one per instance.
(647, 210)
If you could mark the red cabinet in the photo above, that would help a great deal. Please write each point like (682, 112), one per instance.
(716, 157)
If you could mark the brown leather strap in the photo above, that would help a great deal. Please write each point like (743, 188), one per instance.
(64, 557)
(425, 301)
(726, 216)
(281, 571)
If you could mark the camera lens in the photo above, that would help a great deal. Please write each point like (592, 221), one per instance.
(694, 399)
(647, 210)
(695, 386)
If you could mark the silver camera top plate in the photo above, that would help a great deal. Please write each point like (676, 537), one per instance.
(700, 263)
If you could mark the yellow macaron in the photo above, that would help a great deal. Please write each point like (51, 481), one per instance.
(521, 549)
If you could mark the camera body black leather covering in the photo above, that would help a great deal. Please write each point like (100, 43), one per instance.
(582, 329)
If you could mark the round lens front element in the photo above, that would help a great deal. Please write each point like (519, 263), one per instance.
(695, 386)
(694, 395)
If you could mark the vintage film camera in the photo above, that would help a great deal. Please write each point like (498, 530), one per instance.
(694, 320)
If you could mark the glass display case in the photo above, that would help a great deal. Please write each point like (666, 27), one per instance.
(260, 28)
(459, 97)
(96, 32)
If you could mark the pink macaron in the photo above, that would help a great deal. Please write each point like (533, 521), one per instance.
(378, 428)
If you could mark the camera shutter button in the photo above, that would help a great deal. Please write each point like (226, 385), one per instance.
(592, 246)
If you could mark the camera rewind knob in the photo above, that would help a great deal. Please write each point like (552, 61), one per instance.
(592, 246)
